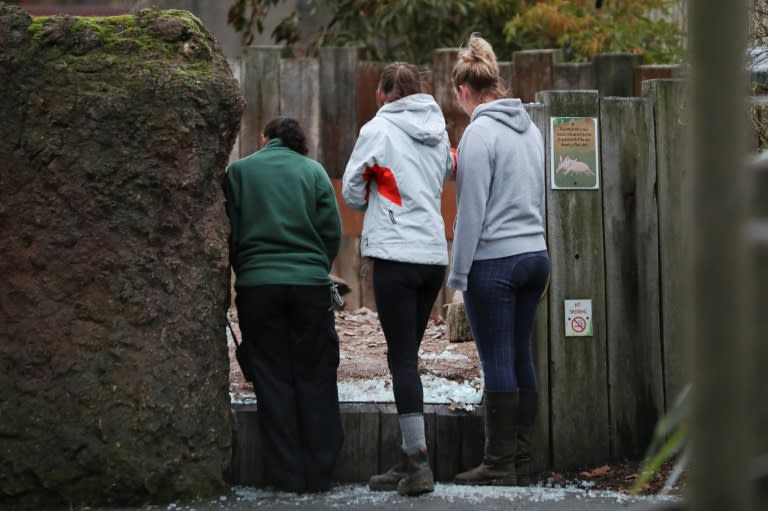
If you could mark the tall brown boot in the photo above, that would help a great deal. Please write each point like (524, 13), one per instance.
(500, 410)
(529, 400)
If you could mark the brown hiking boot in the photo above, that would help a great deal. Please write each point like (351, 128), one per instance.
(389, 479)
(419, 478)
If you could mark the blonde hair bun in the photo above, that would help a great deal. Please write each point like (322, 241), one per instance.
(476, 66)
(479, 51)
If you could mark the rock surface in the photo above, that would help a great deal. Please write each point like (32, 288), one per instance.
(114, 280)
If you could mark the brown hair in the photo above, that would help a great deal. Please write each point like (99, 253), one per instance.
(399, 80)
(289, 131)
(477, 67)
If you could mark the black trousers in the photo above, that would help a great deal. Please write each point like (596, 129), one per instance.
(405, 294)
(294, 361)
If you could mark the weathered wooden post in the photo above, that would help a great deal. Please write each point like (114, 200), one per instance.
(579, 407)
(368, 76)
(674, 191)
(645, 72)
(261, 90)
(247, 453)
(574, 76)
(338, 93)
(300, 97)
(542, 452)
(635, 376)
(615, 73)
(338, 114)
(507, 73)
(722, 436)
(534, 71)
(456, 120)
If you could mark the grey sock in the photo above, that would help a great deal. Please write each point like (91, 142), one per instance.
(412, 429)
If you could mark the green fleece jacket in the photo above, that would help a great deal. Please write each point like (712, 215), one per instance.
(284, 219)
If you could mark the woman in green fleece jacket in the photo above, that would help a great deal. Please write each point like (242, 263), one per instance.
(285, 233)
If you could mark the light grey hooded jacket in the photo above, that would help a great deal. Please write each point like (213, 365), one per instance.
(395, 174)
(500, 188)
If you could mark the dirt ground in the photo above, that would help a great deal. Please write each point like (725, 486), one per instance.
(363, 351)
(363, 356)
(617, 476)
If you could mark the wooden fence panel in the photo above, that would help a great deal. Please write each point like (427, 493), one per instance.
(673, 185)
(645, 72)
(368, 75)
(347, 266)
(534, 71)
(247, 456)
(592, 385)
(635, 375)
(540, 441)
(338, 107)
(456, 120)
(359, 456)
(574, 76)
(507, 73)
(578, 373)
(300, 97)
(261, 90)
(614, 73)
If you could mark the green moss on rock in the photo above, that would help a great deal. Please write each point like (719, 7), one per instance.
(115, 134)
(148, 39)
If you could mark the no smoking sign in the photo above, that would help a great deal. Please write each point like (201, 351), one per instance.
(578, 318)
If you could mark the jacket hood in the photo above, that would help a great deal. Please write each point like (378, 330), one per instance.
(508, 111)
(418, 115)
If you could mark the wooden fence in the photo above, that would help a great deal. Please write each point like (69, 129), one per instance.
(619, 245)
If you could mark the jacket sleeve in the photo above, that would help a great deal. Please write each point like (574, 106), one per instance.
(232, 196)
(355, 187)
(451, 161)
(328, 216)
(473, 182)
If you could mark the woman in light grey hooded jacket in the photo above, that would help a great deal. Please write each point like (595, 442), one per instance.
(395, 174)
(500, 257)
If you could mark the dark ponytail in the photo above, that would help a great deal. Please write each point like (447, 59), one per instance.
(399, 80)
(289, 131)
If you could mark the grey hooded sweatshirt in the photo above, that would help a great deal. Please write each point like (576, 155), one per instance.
(395, 174)
(500, 188)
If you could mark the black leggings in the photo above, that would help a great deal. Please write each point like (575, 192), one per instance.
(405, 294)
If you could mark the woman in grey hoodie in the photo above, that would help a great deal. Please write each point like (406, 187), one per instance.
(500, 258)
(395, 174)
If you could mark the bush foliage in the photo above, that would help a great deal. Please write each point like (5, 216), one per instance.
(583, 30)
(386, 30)
(409, 30)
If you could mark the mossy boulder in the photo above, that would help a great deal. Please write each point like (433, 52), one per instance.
(114, 138)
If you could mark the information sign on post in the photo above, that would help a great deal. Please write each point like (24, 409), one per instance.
(575, 163)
